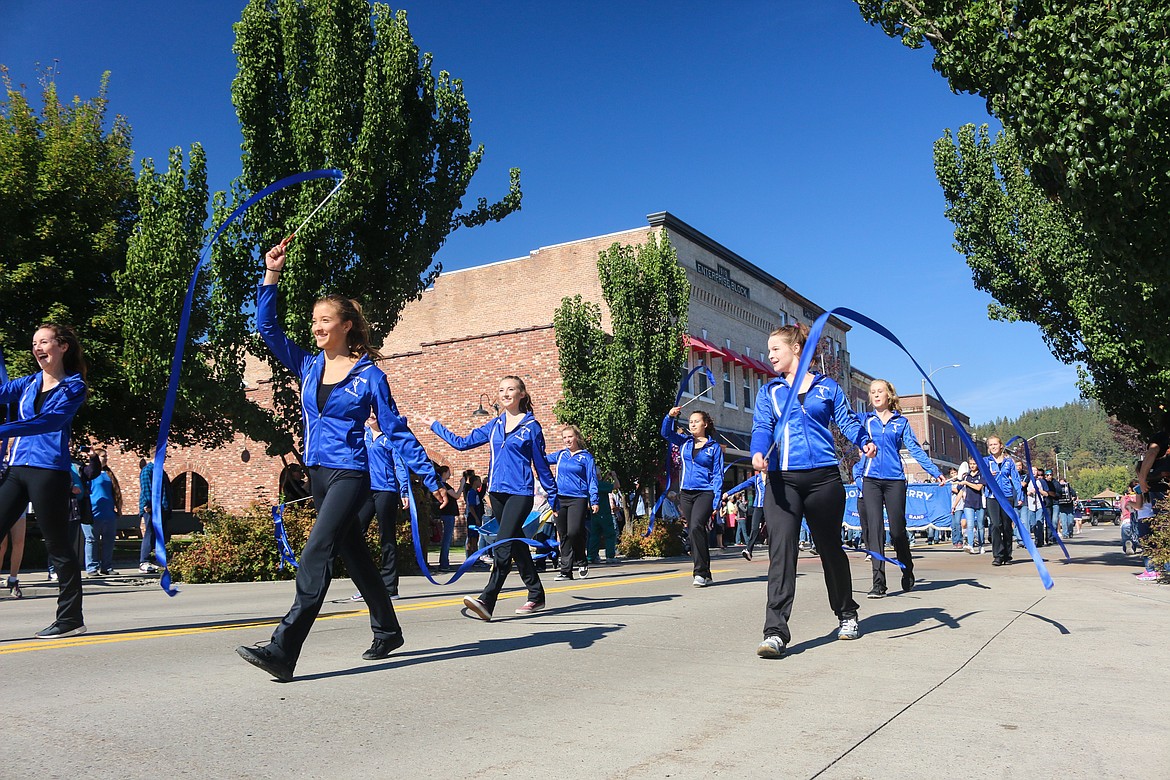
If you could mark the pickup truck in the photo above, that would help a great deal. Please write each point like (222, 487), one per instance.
(1098, 510)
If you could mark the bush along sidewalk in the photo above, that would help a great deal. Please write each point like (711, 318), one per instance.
(665, 541)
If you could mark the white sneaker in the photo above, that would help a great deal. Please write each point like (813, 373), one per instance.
(583, 571)
(147, 568)
(357, 597)
(702, 582)
(968, 549)
(849, 629)
(771, 647)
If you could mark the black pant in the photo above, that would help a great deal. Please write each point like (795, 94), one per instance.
(695, 506)
(338, 495)
(819, 496)
(49, 492)
(890, 493)
(384, 504)
(512, 510)
(572, 522)
(757, 521)
(1001, 531)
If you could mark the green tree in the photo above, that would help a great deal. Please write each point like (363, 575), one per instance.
(341, 83)
(66, 210)
(1064, 219)
(617, 387)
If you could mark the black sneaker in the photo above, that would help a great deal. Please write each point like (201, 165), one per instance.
(876, 593)
(265, 659)
(907, 581)
(60, 631)
(381, 648)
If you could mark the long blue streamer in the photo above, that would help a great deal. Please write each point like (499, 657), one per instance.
(877, 555)
(682, 388)
(1006, 504)
(544, 547)
(1044, 507)
(164, 432)
(287, 557)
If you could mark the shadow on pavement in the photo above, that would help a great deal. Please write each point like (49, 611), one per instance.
(944, 584)
(575, 638)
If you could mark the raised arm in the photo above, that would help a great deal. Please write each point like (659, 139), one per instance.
(591, 480)
(401, 440)
(56, 415)
(717, 471)
(670, 433)
(910, 442)
(477, 438)
(288, 353)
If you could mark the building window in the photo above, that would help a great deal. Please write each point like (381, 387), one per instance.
(184, 499)
(747, 391)
(783, 318)
(728, 393)
(700, 380)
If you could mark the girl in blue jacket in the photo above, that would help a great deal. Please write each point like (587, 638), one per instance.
(804, 479)
(884, 481)
(340, 385)
(517, 450)
(39, 468)
(389, 490)
(577, 493)
(758, 483)
(701, 484)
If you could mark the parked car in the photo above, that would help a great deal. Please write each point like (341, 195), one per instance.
(1098, 510)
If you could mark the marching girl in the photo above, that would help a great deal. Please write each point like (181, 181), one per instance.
(340, 386)
(884, 481)
(577, 491)
(389, 490)
(517, 450)
(804, 479)
(701, 484)
(39, 464)
(758, 483)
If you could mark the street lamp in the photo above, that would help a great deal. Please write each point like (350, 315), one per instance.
(1037, 436)
(925, 422)
(481, 412)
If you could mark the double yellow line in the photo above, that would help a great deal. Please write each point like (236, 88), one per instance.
(87, 640)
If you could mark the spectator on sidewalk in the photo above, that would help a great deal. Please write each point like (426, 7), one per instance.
(1066, 501)
(99, 534)
(145, 513)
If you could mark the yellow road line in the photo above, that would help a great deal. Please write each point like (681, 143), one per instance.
(86, 640)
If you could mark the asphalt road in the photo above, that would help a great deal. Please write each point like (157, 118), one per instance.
(630, 673)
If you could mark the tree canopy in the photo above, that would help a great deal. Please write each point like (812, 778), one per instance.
(1064, 218)
(67, 206)
(617, 387)
(342, 84)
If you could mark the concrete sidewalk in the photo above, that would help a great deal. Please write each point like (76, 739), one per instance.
(631, 673)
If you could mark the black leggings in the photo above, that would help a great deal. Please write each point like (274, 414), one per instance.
(572, 522)
(49, 491)
(819, 496)
(891, 493)
(695, 507)
(1001, 531)
(338, 495)
(512, 510)
(384, 504)
(757, 522)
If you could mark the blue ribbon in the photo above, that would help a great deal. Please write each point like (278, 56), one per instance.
(164, 432)
(286, 552)
(1006, 504)
(544, 547)
(682, 388)
(877, 555)
(1045, 508)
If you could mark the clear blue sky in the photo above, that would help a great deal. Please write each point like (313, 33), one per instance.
(793, 133)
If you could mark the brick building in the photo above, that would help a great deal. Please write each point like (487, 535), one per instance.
(446, 356)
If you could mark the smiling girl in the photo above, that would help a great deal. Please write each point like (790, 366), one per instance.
(340, 386)
(701, 483)
(39, 465)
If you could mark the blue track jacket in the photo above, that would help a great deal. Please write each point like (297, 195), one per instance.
(388, 473)
(514, 455)
(806, 441)
(702, 469)
(576, 475)
(41, 440)
(1005, 474)
(334, 436)
(890, 439)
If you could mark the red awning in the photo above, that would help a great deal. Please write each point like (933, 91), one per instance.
(763, 367)
(735, 357)
(702, 345)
